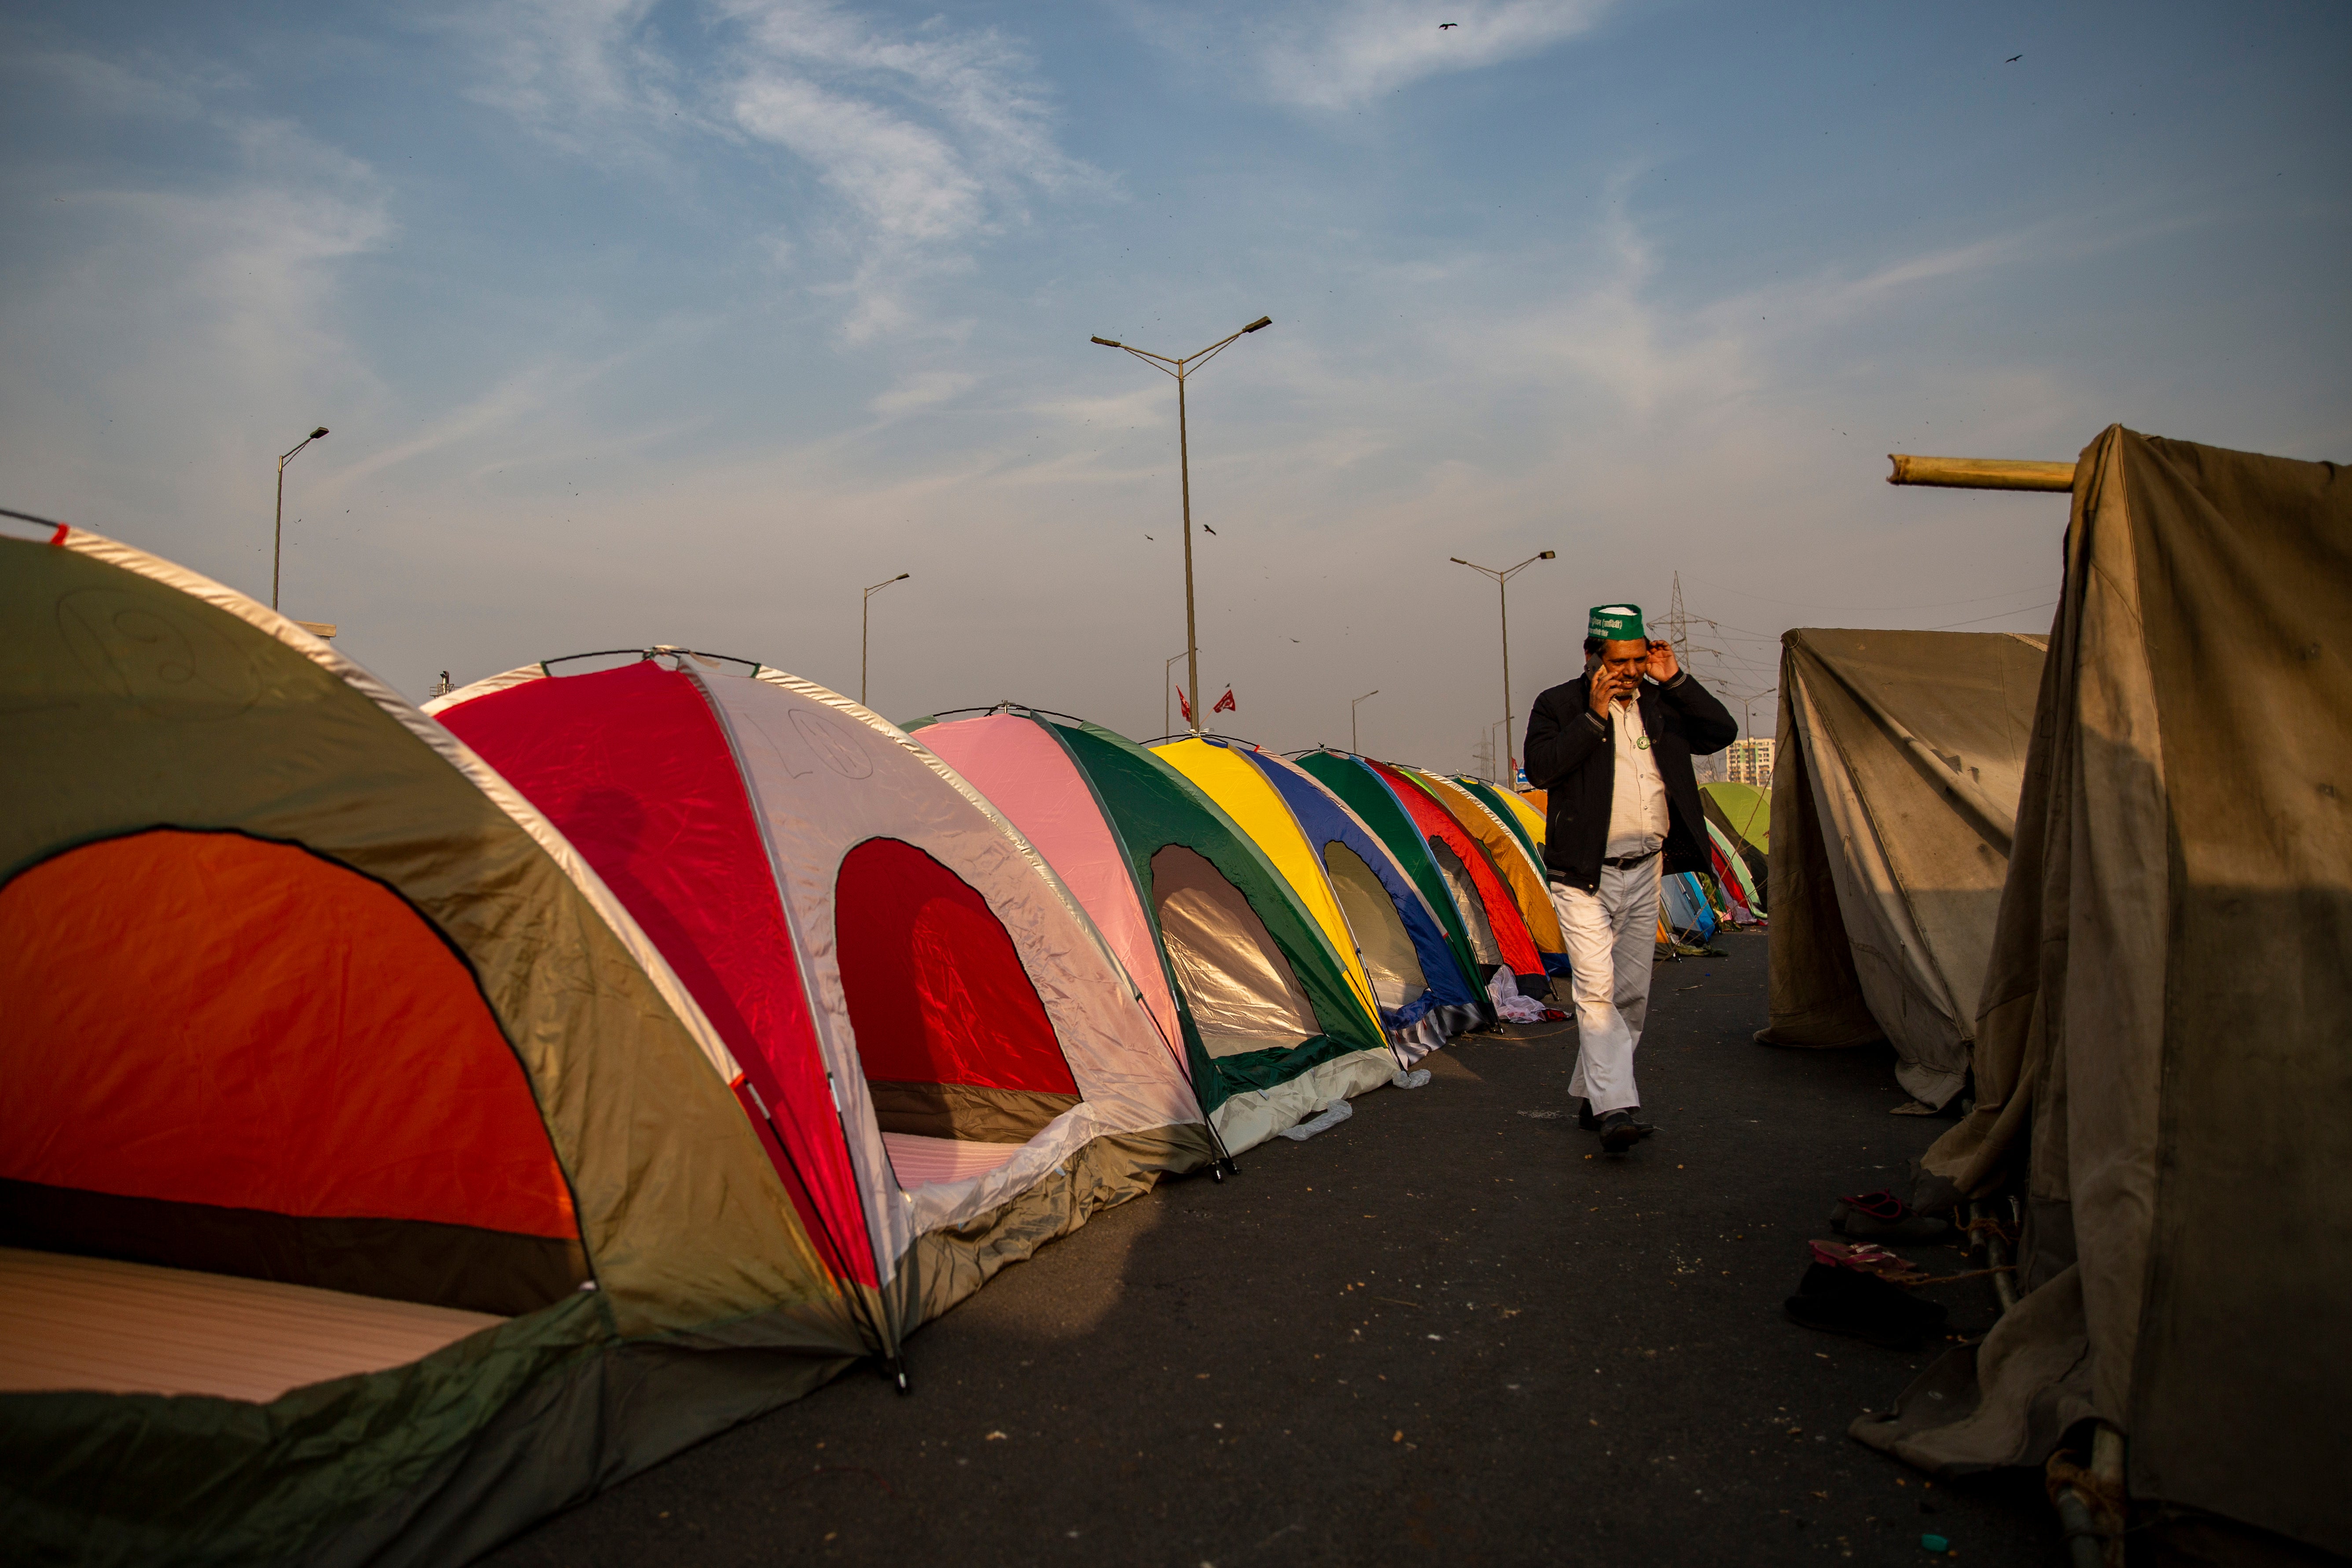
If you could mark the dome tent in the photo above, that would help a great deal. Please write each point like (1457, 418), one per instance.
(1271, 1023)
(358, 1145)
(1218, 769)
(1479, 887)
(1526, 825)
(1423, 994)
(1381, 897)
(1515, 861)
(1354, 783)
(956, 1067)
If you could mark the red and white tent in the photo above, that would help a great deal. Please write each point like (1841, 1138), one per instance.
(932, 1031)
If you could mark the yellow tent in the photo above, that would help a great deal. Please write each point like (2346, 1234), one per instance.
(1221, 774)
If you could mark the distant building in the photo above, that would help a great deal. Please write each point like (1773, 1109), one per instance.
(1749, 762)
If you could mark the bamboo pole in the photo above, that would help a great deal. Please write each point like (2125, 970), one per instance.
(1979, 473)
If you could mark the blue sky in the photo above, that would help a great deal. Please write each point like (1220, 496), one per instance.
(684, 322)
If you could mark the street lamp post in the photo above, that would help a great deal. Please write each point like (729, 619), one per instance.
(1181, 369)
(1502, 587)
(278, 536)
(866, 619)
(1352, 744)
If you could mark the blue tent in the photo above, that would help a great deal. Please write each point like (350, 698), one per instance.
(1687, 910)
(1426, 997)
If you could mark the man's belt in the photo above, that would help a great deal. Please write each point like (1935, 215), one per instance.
(1623, 862)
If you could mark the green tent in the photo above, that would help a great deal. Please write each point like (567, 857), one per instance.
(1369, 797)
(1744, 816)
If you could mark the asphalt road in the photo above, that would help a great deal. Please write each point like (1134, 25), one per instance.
(1448, 1329)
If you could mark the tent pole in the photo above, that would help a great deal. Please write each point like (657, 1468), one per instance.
(1979, 473)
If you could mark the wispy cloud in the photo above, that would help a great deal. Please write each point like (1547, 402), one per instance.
(1339, 54)
(927, 140)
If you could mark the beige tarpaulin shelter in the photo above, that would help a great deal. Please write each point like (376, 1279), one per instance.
(1893, 801)
(2164, 1048)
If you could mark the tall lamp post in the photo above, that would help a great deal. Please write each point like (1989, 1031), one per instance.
(278, 537)
(1179, 369)
(1503, 588)
(866, 619)
(1352, 746)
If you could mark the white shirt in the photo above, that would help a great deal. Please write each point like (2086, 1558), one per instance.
(1638, 815)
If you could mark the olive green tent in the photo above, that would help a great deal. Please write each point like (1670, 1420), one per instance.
(369, 1185)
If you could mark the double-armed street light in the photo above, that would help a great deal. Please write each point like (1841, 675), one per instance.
(866, 619)
(277, 539)
(1503, 588)
(1179, 369)
(1352, 744)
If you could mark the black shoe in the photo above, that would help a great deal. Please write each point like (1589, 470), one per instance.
(1584, 1117)
(1841, 1302)
(1620, 1132)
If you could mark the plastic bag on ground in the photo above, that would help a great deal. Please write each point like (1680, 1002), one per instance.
(1412, 1079)
(1339, 1111)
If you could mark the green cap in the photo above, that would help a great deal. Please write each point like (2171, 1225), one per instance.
(1616, 623)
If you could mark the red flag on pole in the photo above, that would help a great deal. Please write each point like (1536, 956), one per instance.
(1225, 704)
(1185, 703)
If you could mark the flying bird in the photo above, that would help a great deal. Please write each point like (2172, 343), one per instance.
(2012, 60)
(1148, 536)
(1206, 529)
(1442, 25)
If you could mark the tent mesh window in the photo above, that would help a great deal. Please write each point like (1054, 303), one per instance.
(1243, 994)
(1380, 937)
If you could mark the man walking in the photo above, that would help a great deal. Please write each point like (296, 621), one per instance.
(1614, 751)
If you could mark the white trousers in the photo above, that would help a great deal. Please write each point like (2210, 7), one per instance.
(1613, 940)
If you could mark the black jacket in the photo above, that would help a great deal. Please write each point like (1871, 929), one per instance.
(1573, 756)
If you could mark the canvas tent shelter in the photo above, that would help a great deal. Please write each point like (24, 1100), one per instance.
(2160, 1052)
(1273, 1027)
(369, 1184)
(944, 1046)
(1894, 795)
